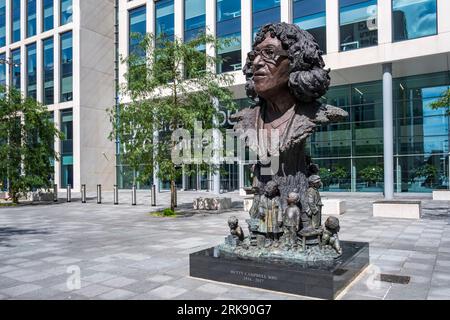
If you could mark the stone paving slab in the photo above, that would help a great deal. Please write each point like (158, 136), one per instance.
(123, 252)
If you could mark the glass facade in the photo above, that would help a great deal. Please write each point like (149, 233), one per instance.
(165, 25)
(228, 28)
(310, 15)
(421, 134)
(3, 70)
(350, 154)
(31, 71)
(15, 20)
(2, 23)
(48, 69)
(137, 29)
(267, 11)
(47, 15)
(194, 19)
(358, 22)
(413, 19)
(66, 12)
(66, 67)
(67, 148)
(31, 18)
(16, 76)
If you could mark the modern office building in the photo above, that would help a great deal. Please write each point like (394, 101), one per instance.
(378, 51)
(61, 52)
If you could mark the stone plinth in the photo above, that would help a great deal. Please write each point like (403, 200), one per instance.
(319, 279)
(333, 206)
(397, 209)
(211, 203)
(441, 195)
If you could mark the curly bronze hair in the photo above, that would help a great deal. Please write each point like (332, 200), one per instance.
(308, 80)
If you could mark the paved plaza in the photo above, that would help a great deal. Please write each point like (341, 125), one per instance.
(123, 252)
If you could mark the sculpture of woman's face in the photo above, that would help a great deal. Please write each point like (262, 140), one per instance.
(270, 67)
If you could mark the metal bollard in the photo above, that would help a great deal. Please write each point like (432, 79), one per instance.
(133, 195)
(55, 193)
(99, 193)
(116, 194)
(153, 196)
(83, 193)
(69, 194)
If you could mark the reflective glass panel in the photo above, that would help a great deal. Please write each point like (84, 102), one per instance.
(2, 23)
(48, 69)
(310, 15)
(66, 67)
(16, 76)
(3, 70)
(15, 21)
(358, 24)
(165, 19)
(31, 18)
(67, 148)
(31, 70)
(47, 8)
(228, 29)
(413, 19)
(267, 11)
(66, 11)
(137, 30)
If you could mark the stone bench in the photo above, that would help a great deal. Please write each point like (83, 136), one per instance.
(333, 206)
(441, 195)
(397, 209)
(211, 203)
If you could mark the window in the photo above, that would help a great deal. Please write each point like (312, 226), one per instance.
(67, 148)
(66, 12)
(194, 18)
(413, 19)
(358, 24)
(31, 71)
(31, 18)
(15, 21)
(2, 23)
(264, 12)
(165, 19)
(229, 27)
(15, 81)
(48, 69)
(66, 67)
(47, 8)
(137, 29)
(310, 15)
(3, 70)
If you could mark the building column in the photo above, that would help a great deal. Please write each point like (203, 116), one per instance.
(286, 10)
(332, 20)
(241, 177)
(246, 29)
(384, 21)
(388, 132)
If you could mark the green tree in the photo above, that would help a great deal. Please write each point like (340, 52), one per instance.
(443, 102)
(428, 172)
(372, 174)
(27, 136)
(163, 95)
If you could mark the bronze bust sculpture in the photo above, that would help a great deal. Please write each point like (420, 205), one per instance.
(285, 78)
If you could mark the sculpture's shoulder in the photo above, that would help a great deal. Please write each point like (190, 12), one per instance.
(246, 118)
(327, 113)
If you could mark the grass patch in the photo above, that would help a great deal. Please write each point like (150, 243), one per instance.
(164, 213)
(6, 204)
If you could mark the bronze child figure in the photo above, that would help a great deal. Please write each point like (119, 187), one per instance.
(314, 202)
(235, 229)
(330, 234)
(291, 220)
(270, 214)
